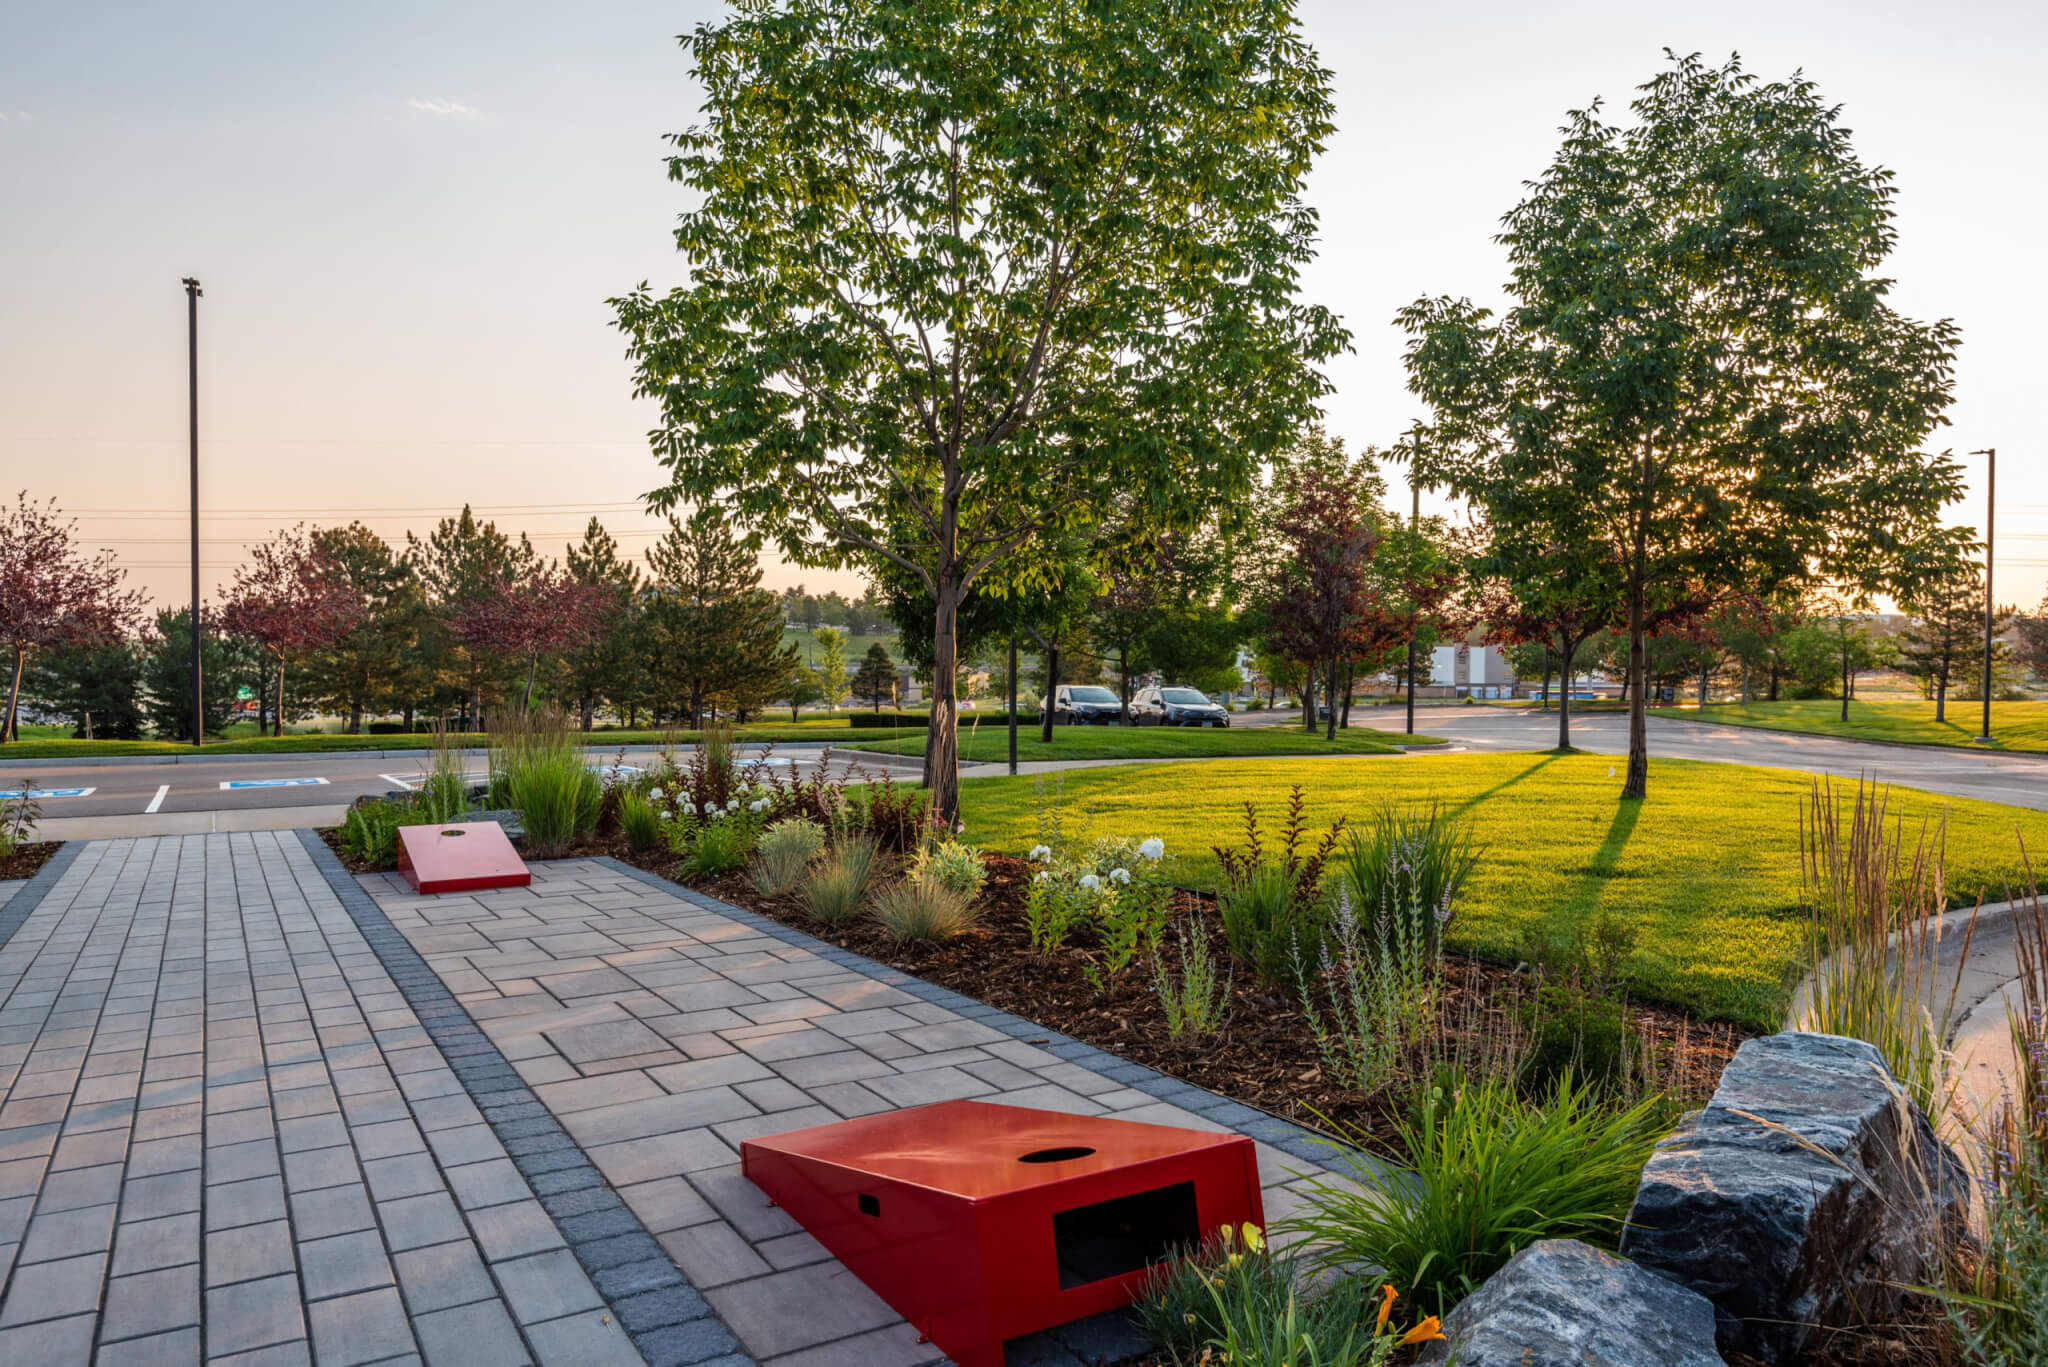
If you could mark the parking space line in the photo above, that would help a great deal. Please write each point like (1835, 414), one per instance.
(232, 784)
(158, 800)
(404, 783)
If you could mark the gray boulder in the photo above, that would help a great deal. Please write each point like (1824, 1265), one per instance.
(1804, 1195)
(1561, 1303)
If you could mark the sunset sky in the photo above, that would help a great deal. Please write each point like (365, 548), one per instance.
(407, 218)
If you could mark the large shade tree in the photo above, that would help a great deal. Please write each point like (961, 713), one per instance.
(1700, 349)
(964, 273)
(291, 598)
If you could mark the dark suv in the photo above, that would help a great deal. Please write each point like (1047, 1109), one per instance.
(1176, 707)
(1085, 705)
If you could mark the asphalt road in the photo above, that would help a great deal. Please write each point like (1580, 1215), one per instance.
(126, 787)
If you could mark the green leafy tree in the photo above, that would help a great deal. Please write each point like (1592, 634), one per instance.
(1944, 638)
(1699, 349)
(875, 680)
(829, 663)
(1839, 619)
(97, 684)
(463, 564)
(2030, 640)
(800, 689)
(716, 635)
(968, 272)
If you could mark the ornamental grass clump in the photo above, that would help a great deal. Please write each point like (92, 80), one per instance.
(918, 911)
(537, 763)
(1484, 1171)
(1232, 1300)
(1874, 931)
(837, 886)
(1404, 871)
(444, 788)
(639, 819)
(783, 852)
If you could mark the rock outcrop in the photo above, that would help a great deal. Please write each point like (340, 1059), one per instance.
(1561, 1303)
(1803, 1196)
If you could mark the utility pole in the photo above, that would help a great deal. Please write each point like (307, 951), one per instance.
(192, 293)
(1414, 521)
(1990, 454)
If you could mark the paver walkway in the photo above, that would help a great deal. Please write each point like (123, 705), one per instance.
(243, 1120)
(663, 1029)
(225, 1137)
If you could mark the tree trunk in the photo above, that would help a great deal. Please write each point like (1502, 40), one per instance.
(1637, 785)
(1564, 699)
(942, 747)
(8, 731)
(532, 667)
(277, 720)
(590, 710)
(1940, 699)
(1330, 701)
(355, 717)
(1308, 698)
(1052, 683)
(1703, 688)
(1845, 684)
(1546, 677)
(1350, 681)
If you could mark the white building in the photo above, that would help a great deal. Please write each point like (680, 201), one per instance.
(1472, 671)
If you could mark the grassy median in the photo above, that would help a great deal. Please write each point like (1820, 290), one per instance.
(991, 744)
(1707, 867)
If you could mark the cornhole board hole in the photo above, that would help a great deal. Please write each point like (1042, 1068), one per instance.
(462, 857)
(980, 1222)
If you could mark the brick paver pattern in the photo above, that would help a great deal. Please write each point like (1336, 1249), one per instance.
(224, 1136)
(663, 1034)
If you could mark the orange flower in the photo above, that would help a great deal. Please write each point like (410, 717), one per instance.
(1387, 1294)
(1431, 1328)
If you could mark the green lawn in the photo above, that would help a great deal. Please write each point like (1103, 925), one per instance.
(1707, 867)
(2015, 726)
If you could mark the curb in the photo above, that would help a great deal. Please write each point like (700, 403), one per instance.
(1990, 918)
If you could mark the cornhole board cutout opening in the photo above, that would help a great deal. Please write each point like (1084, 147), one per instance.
(462, 856)
(980, 1222)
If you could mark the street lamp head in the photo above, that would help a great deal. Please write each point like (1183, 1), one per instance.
(192, 286)
(1987, 451)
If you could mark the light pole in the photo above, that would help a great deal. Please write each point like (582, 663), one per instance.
(192, 293)
(1414, 521)
(1990, 454)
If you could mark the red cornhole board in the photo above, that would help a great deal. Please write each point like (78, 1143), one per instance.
(979, 1222)
(462, 857)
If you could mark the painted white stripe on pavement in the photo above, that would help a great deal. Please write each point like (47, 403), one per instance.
(396, 781)
(157, 801)
(235, 783)
(38, 794)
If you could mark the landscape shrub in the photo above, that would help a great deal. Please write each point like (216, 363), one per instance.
(714, 841)
(917, 910)
(1577, 1023)
(1487, 1171)
(837, 885)
(369, 831)
(1271, 903)
(951, 864)
(1410, 866)
(1232, 1300)
(783, 852)
(1196, 1001)
(894, 816)
(1131, 912)
(1380, 990)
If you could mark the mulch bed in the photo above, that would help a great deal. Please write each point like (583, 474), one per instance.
(27, 860)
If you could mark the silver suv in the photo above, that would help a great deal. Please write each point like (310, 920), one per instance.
(1176, 707)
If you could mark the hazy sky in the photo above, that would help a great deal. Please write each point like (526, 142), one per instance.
(407, 219)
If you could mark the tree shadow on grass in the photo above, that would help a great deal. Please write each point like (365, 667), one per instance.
(1469, 803)
(1585, 894)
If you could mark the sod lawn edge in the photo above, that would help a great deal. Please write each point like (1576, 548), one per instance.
(2019, 728)
(1706, 868)
(825, 731)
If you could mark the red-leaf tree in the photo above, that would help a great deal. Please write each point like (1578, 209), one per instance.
(290, 599)
(541, 613)
(51, 592)
(1324, 608)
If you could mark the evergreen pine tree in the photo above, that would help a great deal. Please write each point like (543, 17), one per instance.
(876, 678)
